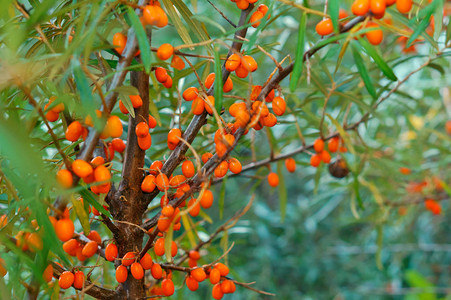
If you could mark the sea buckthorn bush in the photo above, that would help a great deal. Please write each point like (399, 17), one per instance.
(153, 149)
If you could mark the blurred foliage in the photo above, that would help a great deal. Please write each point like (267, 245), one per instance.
(339, 239)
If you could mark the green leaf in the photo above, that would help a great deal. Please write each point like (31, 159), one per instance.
(124, 92)
(388, 72)
(218, 81)
(141, 36)
(82, 215)
(419, 29)
(334, 10)
(416, 280)
(222, 197)
(282, 190)
(168, 243)
(179, 26)
(356, 190)
(88, 195)
(299, 62)
(363, 71)
(189, 230)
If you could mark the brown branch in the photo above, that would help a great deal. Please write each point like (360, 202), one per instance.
(222, 14)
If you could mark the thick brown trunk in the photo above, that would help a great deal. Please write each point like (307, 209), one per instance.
(126, 204)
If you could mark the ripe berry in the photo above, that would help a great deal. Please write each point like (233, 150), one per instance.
(207, 199)
(73, 131)
(192, 284)
(215, 276)
(198, 106)
(128, 259)
(146, 261)
(102, 174)
(161, 74)
(235, 166)
(90, 249)
(137, 270)
(70, 247)
(193, 254)
(190, 94)
(194, 209)
(377, 6)
(167, 211)
(121, 274)
(324, 27)
(119, 41)
(249, 63)
(168, 287)
(173, 138)
(198, 274)
(360, 7)
(290, 164)
(142, 129)
(279, 106)
(376, 36)
(188, 169)
(404, 6)
(206, 156)
(318, 145)
(159, 247)
(222, 169)
(325, 156)
(114, 126)
(217, 292)
(66, 280)
(156, 271)
(111, 252)
(144, 143)
(162, 182)
(315, 160)
(118, 145)
(273, 179)
(65, 178)
(209, 104)
(64, 229)
(47, 274)
(81, 168)
(34, 242)
(255, 18)
(233, 62)
(333, 144)
(79, 280)
(165, 51)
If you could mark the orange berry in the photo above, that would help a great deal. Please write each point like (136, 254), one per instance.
(215, 276)
(318, 145)
(174, 249)
(190, 94)
(79, 280)
(34, 241)
(114, 126)
(111, 252)
(192, 284)
(217, 292)
(255, 18)
(279, 106)
(236, 107)
(64, 178)
(144, 143)
(242, 118)
(193, 254)
(315, 160)
(148, 184)
(249, 63)
(52, 116)
(270, 96)
(377, 6)
(161, 74)
(198, 106)
(64, 229)
(142, 129)
(405, 171)
(206, 156)
(389, 2)
(90, 249)
(154, 15)
(404, 6)
(273, 179)
(102, 174)
(155, 167)
(136, 100)
(121, 274)
(325, 156)
(235, 166)
(376, 36)
(207, 199)
(162, 182)
(222, 169)
(137, 271)
(192, 263)
(209, 104)
(324, 27)
(262, 8)
(128, 259)
(233, 62)
(47, 274)
(448, 127)
(227, 286)
(342, 14)
(119, 41)
(97, 161)
(66, 280)
(177, 63)
(241, 71)
(167, 211)
(333, 144)
(165, 51)
(173, 138)
(73, 131)
(194, 209)
(70, 247)
(228, 85)
(188, 169)
(156, 271)
(360, 7)
(146, 261)
(198, 274)
(81, 168)
(433, 206)
(118, 145)
(122, 108)
(159, 247)
(269, 121)
(290, 164)
(168, 287)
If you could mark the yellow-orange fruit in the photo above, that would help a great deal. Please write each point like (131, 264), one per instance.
(119, 41)
(165, 51)
(290, 164)
(279, 106)
(48, 273)
(81, 168)
(90, 249)
(161, 74)
(162, 182)
(128, 259)
(111, 252)
(64, 229)
(73, 131)
(121, 274)
(404, 6)
(324, 27)
(360, 7)
(66, 280)
(79, 280)
(146, 261)
(233, 62)
(156, 271)
(273, 179)
(65, 178)
(190, 94)
(137, 270)
(198, 106)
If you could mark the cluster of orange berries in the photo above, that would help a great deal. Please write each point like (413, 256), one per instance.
(243, 4)
(433, 206)
(83, 250)
(362, 7)
(52, 112)
(323, 155)
(241, 65)
(259, 14)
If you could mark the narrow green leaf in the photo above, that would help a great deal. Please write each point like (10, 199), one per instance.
(363, 71)
(124, 95)
(388, 72)
(189, 230)
(82, 215)
(205, 216)
(218, 81)
(356, 191)
(419, 29)
(333, 9)
(141, 36)
(282, 191)
(168, 243)
(299, 62)
(343, 133)
(222, 197)
(179, 26)
(88, 195)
